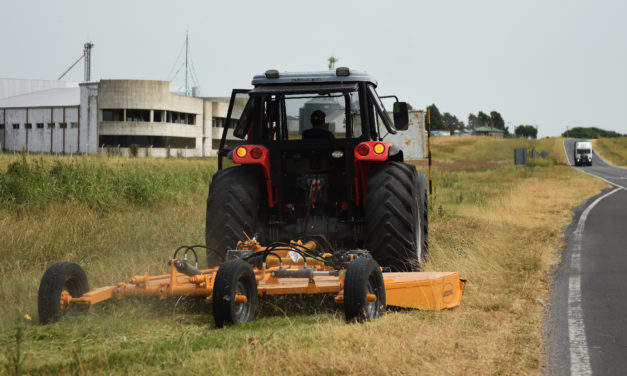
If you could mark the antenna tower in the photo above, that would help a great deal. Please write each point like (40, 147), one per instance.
(186, 64)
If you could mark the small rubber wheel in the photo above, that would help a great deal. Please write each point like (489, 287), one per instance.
(59, 281)
(234, 281)
(364, 291)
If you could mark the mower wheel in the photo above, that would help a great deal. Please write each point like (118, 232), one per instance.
(236, 204)
(235, 298)
(59, 280)
(364, 291)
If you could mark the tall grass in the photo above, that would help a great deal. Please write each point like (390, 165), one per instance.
(97, 182)
(497, 225)
(613, 150)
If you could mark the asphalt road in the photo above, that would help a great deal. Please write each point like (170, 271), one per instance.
(587, 321)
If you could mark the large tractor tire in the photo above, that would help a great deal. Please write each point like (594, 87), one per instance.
(237, 203)
(396, 213)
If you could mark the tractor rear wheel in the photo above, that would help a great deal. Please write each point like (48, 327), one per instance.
(61, 280)
(364, 290)
(235, 298)
(396, 230)
(236, 204)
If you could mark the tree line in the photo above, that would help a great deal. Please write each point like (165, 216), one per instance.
(590, 132)
(450, 122)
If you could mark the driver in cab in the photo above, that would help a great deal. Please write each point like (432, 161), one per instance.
(317, 130)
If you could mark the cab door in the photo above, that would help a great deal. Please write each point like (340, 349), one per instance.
(228, 142)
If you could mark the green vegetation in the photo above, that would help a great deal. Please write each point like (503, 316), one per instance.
(527, 131)
(98, 183)
(612, 150)
(497, 225)
(449, 122)
(589, 132)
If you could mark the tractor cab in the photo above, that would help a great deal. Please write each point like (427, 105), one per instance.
(303, 130)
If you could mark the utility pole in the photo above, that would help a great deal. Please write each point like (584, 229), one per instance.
(429, 149)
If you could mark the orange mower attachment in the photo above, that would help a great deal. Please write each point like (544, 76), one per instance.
(252, 270)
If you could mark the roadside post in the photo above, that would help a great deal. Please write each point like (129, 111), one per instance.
(429, 148)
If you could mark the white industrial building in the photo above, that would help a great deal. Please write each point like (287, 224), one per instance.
(114, 116)
(108, 115)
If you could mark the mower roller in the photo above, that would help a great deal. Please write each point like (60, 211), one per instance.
(252, 270)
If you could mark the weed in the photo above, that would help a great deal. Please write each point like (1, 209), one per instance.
(101, 184)
(15, 356)
(132, 150)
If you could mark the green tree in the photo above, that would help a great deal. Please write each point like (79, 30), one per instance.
(473, 122)
(436, 119)
(484, 120)
(451, 122)
(590, 132)
(527, 131)
(497, 120)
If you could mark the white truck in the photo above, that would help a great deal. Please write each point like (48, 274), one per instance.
(583, 153)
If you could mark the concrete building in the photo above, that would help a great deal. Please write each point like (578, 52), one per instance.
(112, 116)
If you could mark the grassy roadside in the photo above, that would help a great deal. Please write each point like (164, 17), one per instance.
(612, 150)
(499, 226)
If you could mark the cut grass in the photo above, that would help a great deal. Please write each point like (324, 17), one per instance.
(499, 226)
(612, 150)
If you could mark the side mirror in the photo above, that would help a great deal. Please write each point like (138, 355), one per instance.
(401, 116)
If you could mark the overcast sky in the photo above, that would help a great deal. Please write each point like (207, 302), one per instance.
(547, 63)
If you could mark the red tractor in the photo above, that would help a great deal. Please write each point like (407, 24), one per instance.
(308, 159)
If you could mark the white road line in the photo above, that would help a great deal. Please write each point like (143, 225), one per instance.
(579, 358)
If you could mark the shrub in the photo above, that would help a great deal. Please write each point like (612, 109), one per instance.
(132, 150)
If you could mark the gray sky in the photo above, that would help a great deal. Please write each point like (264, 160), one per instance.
(548, 63)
